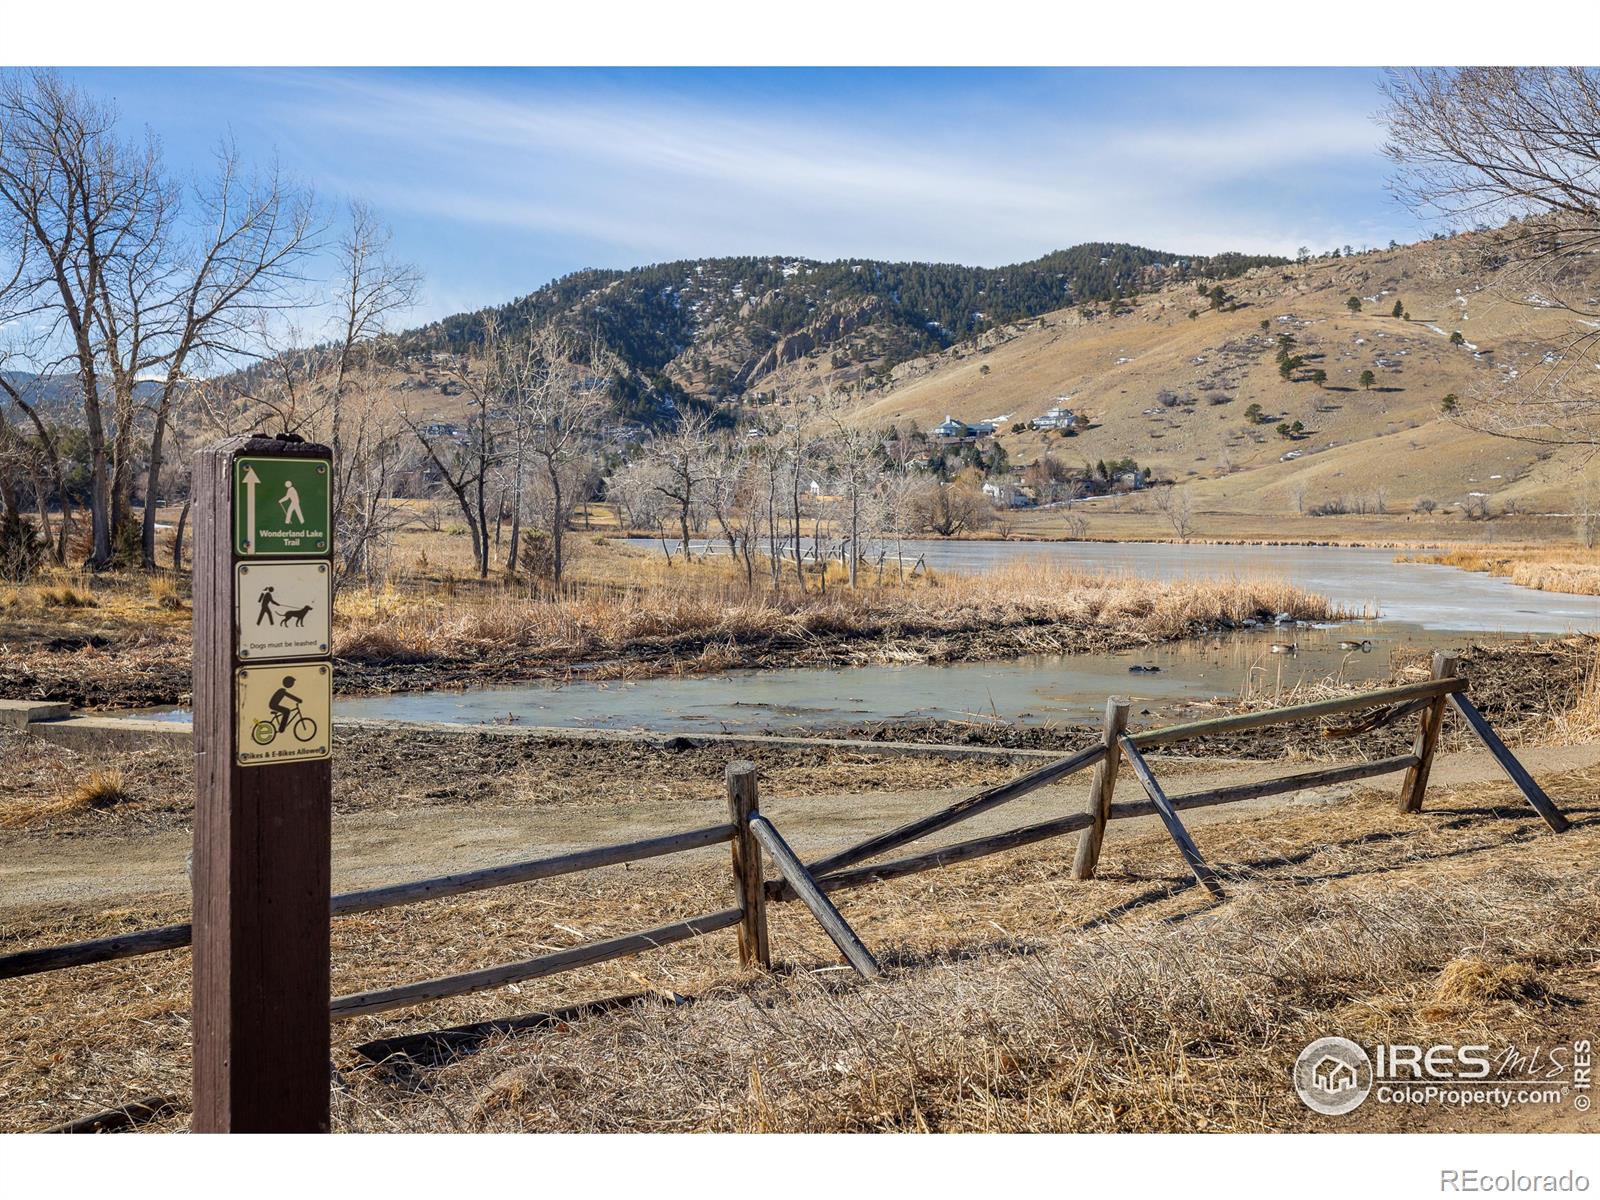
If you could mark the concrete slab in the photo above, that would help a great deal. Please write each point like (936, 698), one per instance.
(107, 733)
(19, 714)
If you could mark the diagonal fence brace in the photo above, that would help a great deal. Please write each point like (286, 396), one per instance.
(1169, 817)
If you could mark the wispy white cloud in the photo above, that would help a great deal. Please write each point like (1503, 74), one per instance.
(647, 173)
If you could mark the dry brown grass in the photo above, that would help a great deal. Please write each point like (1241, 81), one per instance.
(65, 595)
(167, 592)
(96, 788)
(1468, 984)
(1015, 999)
(706, 618)
(1572, 569)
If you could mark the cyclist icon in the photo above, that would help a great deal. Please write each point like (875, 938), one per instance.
(285, 718)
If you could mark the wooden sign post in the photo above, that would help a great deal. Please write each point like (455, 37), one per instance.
(263, 689)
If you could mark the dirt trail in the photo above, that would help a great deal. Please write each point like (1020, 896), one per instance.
(42, 876)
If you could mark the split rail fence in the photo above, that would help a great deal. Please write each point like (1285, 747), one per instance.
(749, 833)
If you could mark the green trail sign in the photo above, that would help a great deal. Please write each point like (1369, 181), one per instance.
(280, 506)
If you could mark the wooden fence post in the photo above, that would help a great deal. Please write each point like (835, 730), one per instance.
(749, 889)
(1416, 780)
(263, 785)
(1105, 783)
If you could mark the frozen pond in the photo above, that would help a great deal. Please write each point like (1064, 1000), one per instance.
(1422, 607)
(1061, 689)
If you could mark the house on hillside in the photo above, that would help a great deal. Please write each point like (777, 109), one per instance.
(951, 432)
(1006, 495)
(1057, 417)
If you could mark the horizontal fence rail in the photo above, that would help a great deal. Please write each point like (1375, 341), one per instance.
(961, 810)
(1298, 712)
(945, 856)
(1270, 787)
(548, 964)
(173, 937)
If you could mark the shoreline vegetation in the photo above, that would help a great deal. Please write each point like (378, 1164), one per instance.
(651, 619)
(1419, 545)
(1571, 569)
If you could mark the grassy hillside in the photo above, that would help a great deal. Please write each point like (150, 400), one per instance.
(1171, 390)
(721, 330)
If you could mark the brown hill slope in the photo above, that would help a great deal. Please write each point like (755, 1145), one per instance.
(1393, 439)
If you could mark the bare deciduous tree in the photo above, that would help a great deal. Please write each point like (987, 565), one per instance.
(74, 199)
(1518, 147)
(556, 399)
(684, 469)
(1177, 506)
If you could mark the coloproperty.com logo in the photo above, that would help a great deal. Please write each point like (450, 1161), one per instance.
(1334, 1075)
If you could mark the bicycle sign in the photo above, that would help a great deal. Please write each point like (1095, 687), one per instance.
(284, 713)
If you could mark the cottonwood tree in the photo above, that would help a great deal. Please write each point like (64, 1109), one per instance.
(855, 455)
(684, 468)
(632, 488)
(203, 293)
(74, 199)
(737, 499)
(463, 461)
(556, 398)
(371, 286)
(1517, 147)
(133, 281)
(38, 453)
(1177, 506)
(952, 508)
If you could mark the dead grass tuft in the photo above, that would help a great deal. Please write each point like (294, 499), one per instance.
(102, 787)
(1469, 984)
(65, 595)
(167, 593)
(98, 788)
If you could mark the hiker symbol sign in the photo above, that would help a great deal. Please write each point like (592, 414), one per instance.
(280, 506)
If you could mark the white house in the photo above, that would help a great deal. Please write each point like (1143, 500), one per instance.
(1005, 495)
(952, 430)
(1057, 417)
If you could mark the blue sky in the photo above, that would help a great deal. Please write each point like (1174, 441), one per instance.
(497, 180)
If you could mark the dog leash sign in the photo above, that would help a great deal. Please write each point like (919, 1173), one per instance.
(282, 609)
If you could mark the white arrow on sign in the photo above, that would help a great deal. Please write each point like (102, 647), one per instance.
(250, 481)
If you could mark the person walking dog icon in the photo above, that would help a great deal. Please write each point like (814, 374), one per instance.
(290, 503)
(266, 600)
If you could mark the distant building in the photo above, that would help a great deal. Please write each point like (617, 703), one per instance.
(1006, 495)
(1058, 417)
(952, 431)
